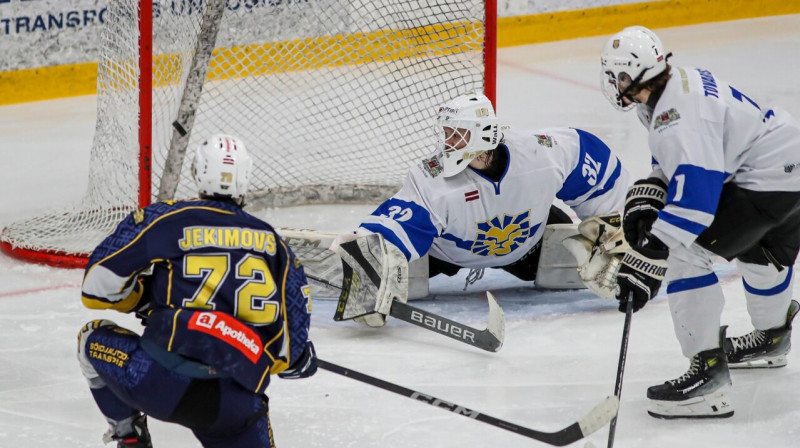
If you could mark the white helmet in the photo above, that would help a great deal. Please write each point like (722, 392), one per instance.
(632, 56)
(221, 167)
(466, 127)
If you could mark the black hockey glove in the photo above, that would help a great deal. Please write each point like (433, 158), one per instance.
(642, 270)
(304, 367)
(642, 203)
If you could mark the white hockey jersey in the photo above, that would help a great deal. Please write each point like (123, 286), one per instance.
(704, 132)
(471, 221)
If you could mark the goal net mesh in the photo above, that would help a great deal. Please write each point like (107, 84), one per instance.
(333, 98)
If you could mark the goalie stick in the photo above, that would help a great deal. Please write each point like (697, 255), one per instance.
(589, 423)
(324, 268)
(489, 339)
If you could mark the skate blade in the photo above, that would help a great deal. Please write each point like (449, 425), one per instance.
(767, 362)
(714, 405)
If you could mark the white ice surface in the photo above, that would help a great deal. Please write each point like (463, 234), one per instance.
(561, 349)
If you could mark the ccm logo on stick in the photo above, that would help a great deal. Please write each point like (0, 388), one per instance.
(461, 410)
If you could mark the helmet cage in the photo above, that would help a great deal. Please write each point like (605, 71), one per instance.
(455, 138)
(630, 57)
(465, 128)
(617, 86)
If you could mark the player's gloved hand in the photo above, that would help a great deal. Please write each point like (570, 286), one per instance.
(643, 268)
(304, 367)
(642, 203)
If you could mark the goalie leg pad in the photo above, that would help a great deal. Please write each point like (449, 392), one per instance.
(557, 268)
(418, 278)
(372, 320)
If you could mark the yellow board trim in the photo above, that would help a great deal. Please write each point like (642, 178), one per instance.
(59, 81)
(334, 51)
(45, 83)
(532, 29)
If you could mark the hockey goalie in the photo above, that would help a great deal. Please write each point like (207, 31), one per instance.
(484, 199)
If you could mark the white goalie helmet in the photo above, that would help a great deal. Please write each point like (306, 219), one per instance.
(221, 167)
(466, 127)
(632, 56)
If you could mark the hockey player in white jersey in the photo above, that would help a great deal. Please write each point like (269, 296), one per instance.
(484, 196)
(724, 184)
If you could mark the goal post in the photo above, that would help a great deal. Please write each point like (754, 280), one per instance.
(335, 99)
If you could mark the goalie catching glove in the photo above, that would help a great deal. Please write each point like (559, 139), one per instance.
(598, 249)
(375, 274)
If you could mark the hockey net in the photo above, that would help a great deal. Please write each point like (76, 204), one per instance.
(334, 99)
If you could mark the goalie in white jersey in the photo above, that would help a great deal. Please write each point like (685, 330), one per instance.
(483, 198)
(724, 183)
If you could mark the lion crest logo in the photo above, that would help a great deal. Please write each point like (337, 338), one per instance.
(501, 235)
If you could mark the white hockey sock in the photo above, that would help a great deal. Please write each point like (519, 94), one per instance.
(768, 293)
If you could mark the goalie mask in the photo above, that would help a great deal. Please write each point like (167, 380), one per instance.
(221, 168)
(466, 127)
(630, 57)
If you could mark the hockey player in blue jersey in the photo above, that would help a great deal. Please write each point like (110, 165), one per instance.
(723, 184)
(225, 305)
(483, 197)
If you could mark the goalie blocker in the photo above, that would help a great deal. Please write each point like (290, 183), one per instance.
(375, 273)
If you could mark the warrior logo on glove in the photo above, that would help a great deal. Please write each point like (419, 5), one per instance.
(643, 266)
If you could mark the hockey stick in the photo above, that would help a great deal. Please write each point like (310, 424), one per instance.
(190, 99)
(489, 339)
(623, 354)
(589, 423)
(303, 242)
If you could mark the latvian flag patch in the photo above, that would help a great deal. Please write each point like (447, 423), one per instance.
(471, 195)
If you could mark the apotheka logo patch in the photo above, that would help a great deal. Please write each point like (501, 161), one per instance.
(228, 330)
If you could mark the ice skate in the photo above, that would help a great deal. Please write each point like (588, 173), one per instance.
(762, 348)
(698, 393)
(139, 438)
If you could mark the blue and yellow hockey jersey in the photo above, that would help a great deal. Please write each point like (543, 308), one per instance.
(223, 288)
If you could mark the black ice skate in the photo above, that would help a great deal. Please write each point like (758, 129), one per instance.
(762, 348)
(698, 393)
(139, 438)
